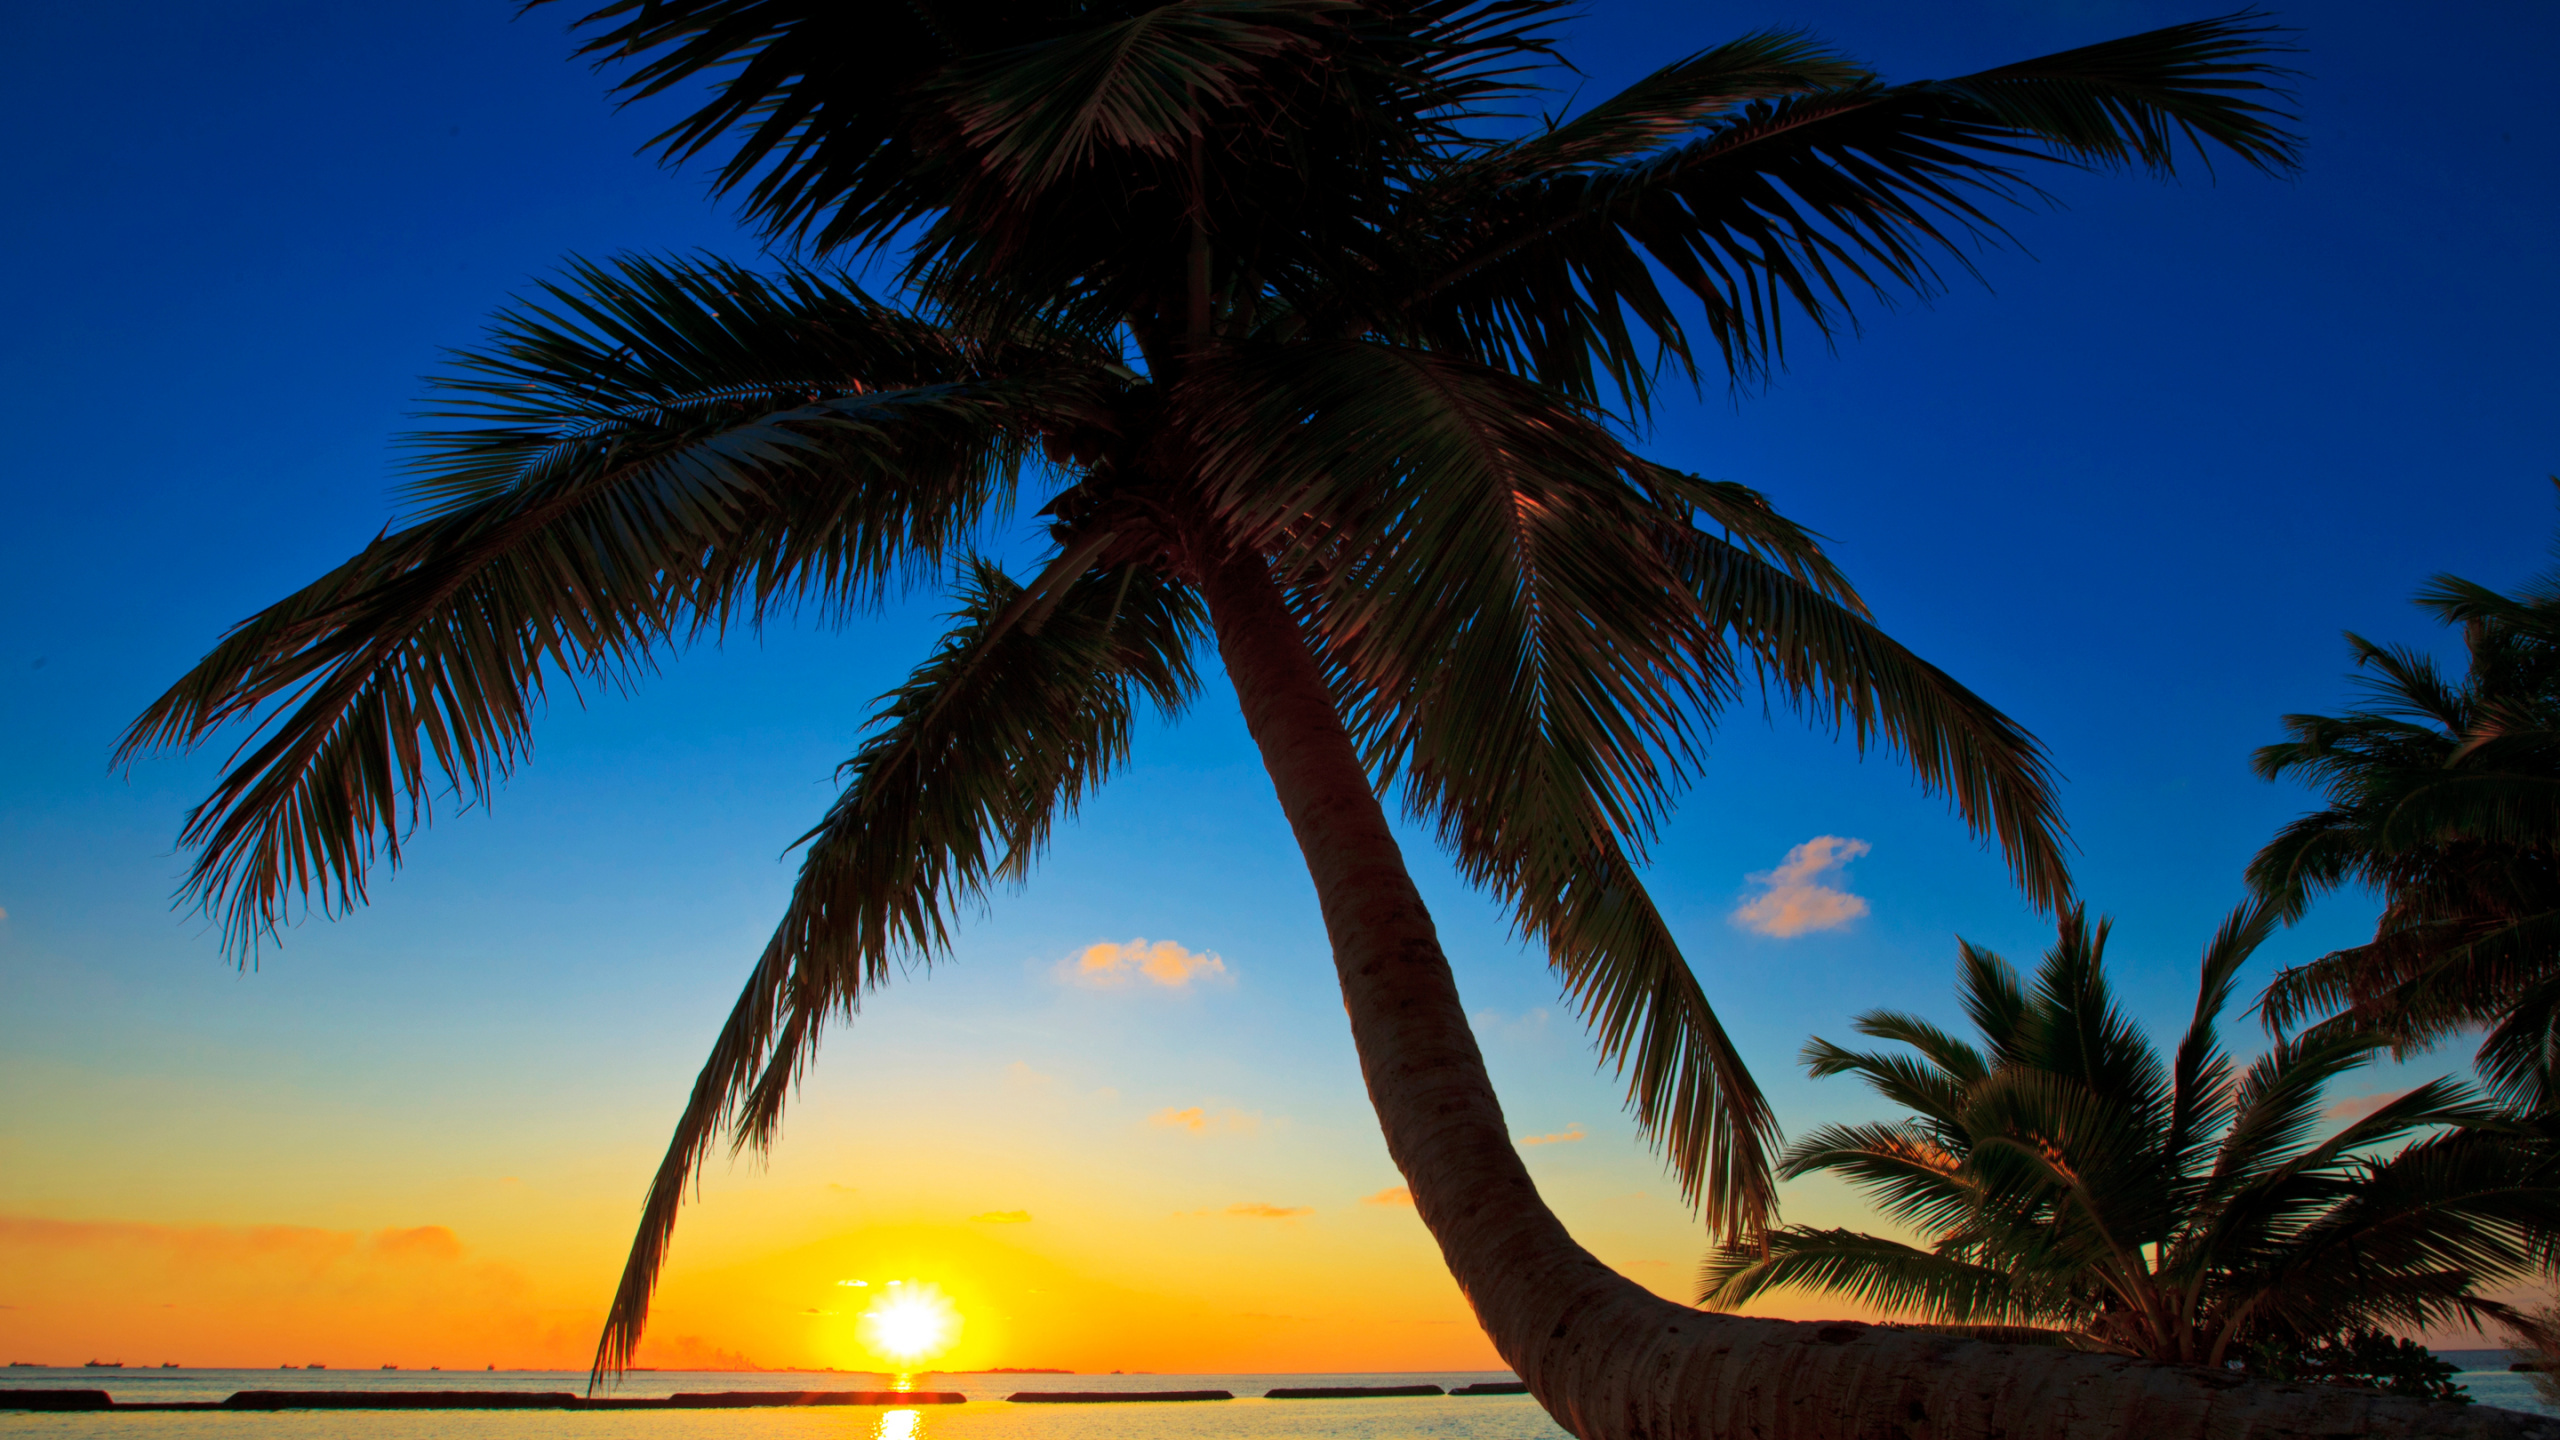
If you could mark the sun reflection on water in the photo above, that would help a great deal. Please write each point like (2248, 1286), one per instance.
(899, 1424)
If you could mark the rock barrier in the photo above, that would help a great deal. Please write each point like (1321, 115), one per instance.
(1111, 1397)
(49, 1400)
(1348, 1392)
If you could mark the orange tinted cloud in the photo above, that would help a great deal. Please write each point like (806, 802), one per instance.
(2356, 1107)
(1793, 900)
(296, 1245)
(1196, 1120)
(1110, 966)
(264, 1294)
(1392, 1195)
(1258, 1210)
(1565, 1136)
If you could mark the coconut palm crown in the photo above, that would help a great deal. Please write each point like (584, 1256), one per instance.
(2073, 1181)
(1289, 335)
(2444, 798)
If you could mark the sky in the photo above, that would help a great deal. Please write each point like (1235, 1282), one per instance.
(2131, 488)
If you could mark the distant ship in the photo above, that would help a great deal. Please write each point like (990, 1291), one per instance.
(25, 1365)
(311, 1367)
(102, 1365)
(390, 1367)
(168, 1364)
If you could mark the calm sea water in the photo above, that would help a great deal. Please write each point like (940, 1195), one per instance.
(986, 1416)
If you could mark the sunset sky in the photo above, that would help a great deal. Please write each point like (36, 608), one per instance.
(2131, 491)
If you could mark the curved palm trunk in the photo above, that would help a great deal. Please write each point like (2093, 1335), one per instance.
(1609, 1359)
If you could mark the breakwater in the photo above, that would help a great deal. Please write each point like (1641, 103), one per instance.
(344, 1399)
(61, 1400)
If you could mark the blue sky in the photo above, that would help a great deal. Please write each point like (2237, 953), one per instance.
(2131, 490)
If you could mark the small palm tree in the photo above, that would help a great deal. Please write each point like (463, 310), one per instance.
(2074, 1183)
(1296, 347)
(2444, 797)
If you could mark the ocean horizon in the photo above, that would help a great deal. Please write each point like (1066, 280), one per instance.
(985, 1415)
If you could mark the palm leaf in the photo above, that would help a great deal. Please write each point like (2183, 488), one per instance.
(1892, 1277)
(970, 764)
(1839, 668)
(2200, 1073)
(662, 446)
(1146, 84)
(1929, 1086)
(1812, 200)
(1919, 1175)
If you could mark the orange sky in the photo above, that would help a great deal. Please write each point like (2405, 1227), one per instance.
(1108, 1156)
(1085, 1158)
(1171, 1250)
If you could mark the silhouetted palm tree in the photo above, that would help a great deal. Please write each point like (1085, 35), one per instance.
(1323, 366)
(2070, 1180)
(2444, 796)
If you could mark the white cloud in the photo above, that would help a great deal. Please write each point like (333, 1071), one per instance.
(1110, 966)
(1793, 900)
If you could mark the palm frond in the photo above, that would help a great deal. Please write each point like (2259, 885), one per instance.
(970, 764)
(1842, 670)
(1888, 1276)
(2416, 1238)
(1995, 1000)
(2130, 101)
(2200, 1073)
(1671, 104)
(660, 446)
(1815, 199)
(1961, 1063)
(1146, 84)
(1691, 1093)
(2276, 1104)
(815, 95)
(1919, 1175)
(1931, 1090)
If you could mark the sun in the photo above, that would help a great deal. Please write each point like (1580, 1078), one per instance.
(911, 1323)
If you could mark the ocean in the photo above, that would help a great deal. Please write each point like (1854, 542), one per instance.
(985, 1416)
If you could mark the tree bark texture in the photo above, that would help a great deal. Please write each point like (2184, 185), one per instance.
(1609, 1359)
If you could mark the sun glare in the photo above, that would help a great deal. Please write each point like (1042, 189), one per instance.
(911, 1323)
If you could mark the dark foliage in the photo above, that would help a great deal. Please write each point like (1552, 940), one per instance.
(2444, 797)
(2072, 1180)
(2367, 1358)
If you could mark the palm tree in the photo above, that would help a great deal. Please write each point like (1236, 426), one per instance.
(2074, 1183)
(1307, 360)
(2444, 796)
